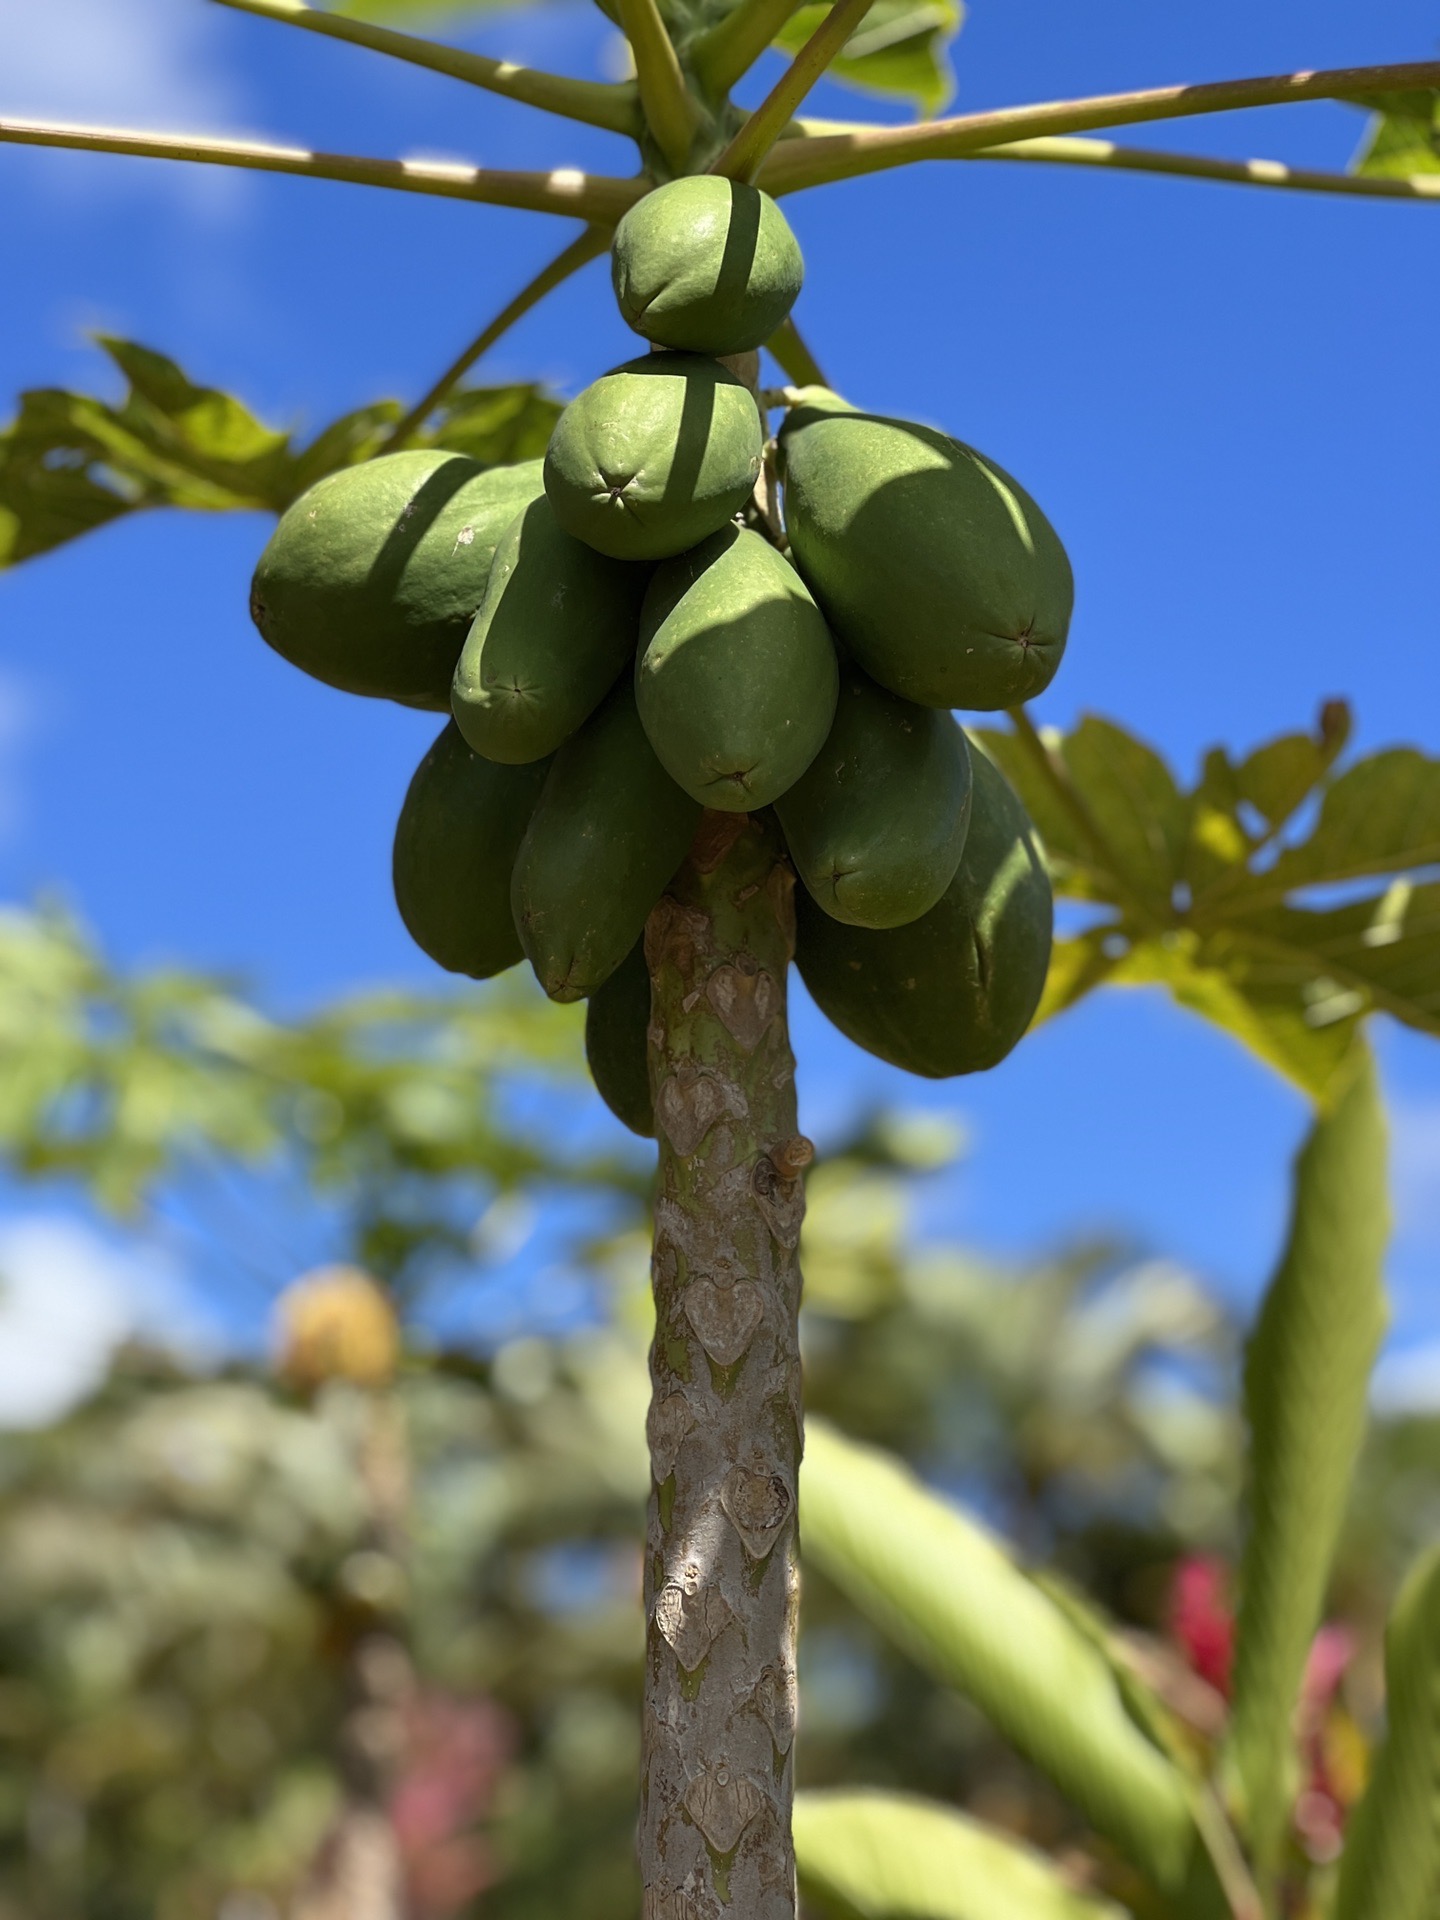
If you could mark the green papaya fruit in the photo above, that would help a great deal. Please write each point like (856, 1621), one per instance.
(455, 846)
(616, 1044)
(876, 825)
(652, 458)
(558, 623)
(954, 991)
(608, 831)
(373, 576)
(934, 567)
(736, 676)
(706, 264)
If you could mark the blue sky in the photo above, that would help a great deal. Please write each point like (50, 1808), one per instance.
(1223, 398)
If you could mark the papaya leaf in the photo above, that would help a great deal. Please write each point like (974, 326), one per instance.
(950, 1594)
(1129, 797)
(865, 1855)
(1249, 996)
(1307, 1374)
(1381, 816)
(115, 1080)
(1403, 137)
(1214, 891)
(1391, 1863)
(72, 462)
(900, 49)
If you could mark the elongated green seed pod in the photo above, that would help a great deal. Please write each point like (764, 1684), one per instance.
(1390, 1869)
(947, 1591)
(1307, 1375)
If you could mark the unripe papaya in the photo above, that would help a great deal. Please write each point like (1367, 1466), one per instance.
(455, 845)
(706, 264)
(373, 576)
(936, 569)
(954, 991)
(877, 823)
(736, 676)
(617, 1020)
(608, 831)
(558, 623)
(654, 457)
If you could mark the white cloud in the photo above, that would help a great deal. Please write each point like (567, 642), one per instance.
(68, 1299)
(137, 63)
(146, 61)
(1408, 1382)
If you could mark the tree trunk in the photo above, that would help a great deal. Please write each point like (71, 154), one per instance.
(725, 1426)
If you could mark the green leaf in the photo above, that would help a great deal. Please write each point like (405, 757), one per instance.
(1286, 1015)
(1130, 795)
(949, 1593)
(1391, 1863)
(1403, 138)
(1307, 1374)
(893, 1856)
(72, 462)
(900, 48)
(1382, 951)
(1213, 891)
(1380, 817)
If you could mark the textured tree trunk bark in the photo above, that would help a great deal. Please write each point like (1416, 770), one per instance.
(725, 1426)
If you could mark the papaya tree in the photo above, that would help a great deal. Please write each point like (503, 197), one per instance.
(700, 647)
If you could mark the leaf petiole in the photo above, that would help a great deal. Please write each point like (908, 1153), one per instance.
(614, 106)
(745, 155)
(563, 190)
(795, 164)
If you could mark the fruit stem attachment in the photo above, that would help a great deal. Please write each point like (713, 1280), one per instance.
(728, 50)
(1052, 769)
(787, 348)
(1079, 152)
(584, 248)
(564, 190)
(664, 98)
(725, 1423)
(815, 162)
(742, 159)
(615, 107)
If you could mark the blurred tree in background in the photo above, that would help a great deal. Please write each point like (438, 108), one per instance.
(270, 1632)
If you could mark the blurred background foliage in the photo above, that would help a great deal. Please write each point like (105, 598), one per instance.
(378, 1575)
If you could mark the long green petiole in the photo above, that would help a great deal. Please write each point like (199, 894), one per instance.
(564, 190)
(745, 154)
(585, 247)
(1245, 173)
(614, 106)
(668, 108)
(731, 47)
(814, 162)
(1080, 151)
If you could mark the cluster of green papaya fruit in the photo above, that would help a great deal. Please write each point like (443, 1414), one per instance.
(623, 638)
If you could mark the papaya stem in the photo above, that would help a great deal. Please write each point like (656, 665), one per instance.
(728, 50)
(744, 156)
(1056, 775)
(725, 1425)
(669, 110)
(615, 107)
(1244, 173)
(564, 190)
(585, 247)
(817, 161)
(789, 351)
